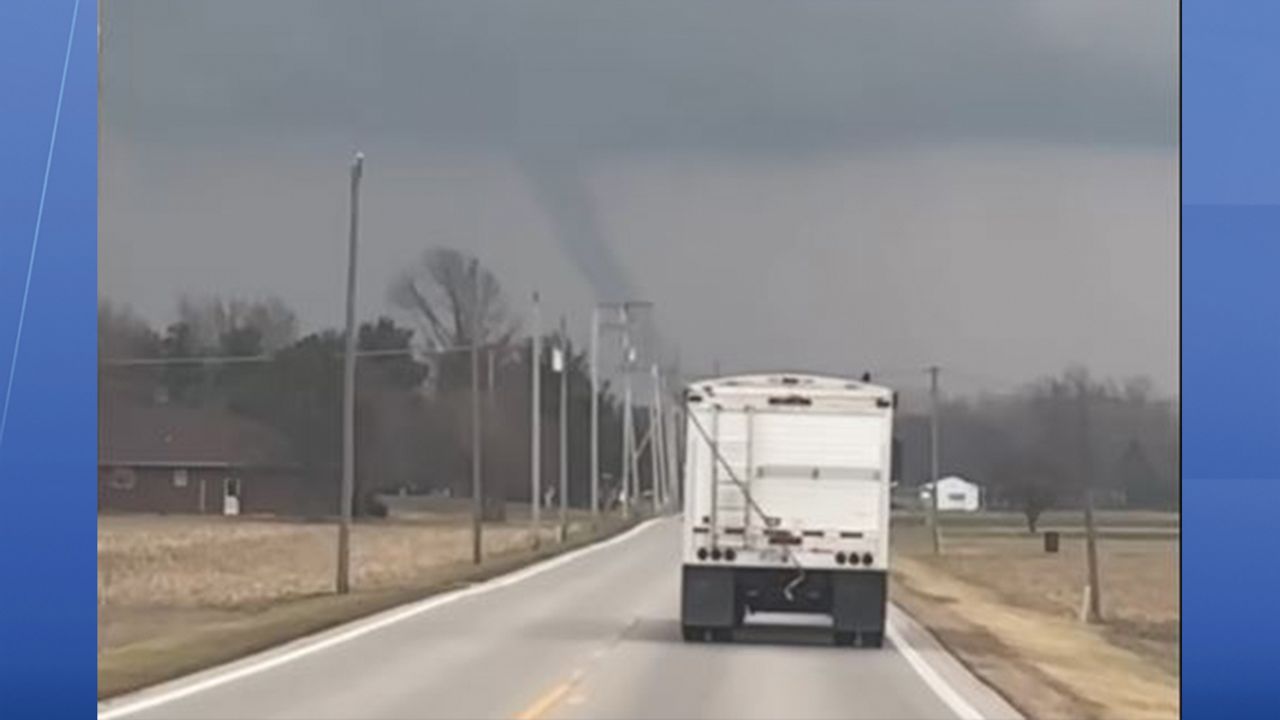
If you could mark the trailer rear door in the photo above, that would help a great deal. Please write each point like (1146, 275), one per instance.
(821, 471)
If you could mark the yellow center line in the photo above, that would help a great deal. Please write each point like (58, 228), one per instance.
(542, 705)
(546, 702)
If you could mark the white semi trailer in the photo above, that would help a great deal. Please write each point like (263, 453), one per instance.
(787, 508)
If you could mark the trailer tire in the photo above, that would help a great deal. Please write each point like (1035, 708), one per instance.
(721, 635)
(845, 639)
(872, 639)
(692, 634)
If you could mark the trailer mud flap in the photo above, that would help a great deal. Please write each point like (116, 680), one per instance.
(858, 601)
(707, 597)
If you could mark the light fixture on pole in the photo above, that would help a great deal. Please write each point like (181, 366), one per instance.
(559, 365)
(594, 420)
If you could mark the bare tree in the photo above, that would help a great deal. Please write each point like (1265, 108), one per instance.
(457, 303)
(1030, 484)
(443, 297)
(121, 333)
(212, 320)
(275, 323)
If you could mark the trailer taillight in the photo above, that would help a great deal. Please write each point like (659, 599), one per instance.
(702, 553)
(866, 558)
(841, 558)
(730, 555)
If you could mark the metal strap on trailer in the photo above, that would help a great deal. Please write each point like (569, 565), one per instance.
(751, 473)
(714, 444)
(718, 461)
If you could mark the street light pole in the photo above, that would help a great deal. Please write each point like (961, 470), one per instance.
(343, 581)
(562, 366)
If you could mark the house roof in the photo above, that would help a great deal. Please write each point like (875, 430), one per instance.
(170, 435)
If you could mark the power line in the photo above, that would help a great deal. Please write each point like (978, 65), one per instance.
(266, 358)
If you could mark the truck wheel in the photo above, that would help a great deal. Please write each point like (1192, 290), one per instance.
(872, 639)
(692, 634)
(845, 639)
(722, 635)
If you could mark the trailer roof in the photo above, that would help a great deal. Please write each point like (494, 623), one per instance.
(762, 382)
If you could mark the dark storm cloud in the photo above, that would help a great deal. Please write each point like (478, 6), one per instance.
(725, 75)
(981, 183)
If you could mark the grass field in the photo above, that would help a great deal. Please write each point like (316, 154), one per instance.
(176, 593)
(1051, 520)
(1012, 611)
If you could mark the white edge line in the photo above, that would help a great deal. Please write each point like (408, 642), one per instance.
(931, 677)
(344, 633)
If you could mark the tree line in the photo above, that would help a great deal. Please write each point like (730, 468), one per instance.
(1044, 445)
(413, 386)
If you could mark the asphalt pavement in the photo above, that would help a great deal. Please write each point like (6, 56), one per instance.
(593, 634)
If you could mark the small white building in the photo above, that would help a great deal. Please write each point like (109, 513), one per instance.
(955, 495)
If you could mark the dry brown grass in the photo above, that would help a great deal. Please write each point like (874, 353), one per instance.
(179, 593)
(1013, 610)
(202, 562)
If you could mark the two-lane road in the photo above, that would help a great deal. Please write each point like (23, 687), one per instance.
(592, 635)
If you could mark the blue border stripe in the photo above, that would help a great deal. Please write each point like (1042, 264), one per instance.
(48, 297)
(35, 238)
(1230, 357)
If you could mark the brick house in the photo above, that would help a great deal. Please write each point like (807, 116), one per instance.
(171, 459)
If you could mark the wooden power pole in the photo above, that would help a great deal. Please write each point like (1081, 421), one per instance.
(349, 390)
(934, 525)
(1094, 610)
(477, 485)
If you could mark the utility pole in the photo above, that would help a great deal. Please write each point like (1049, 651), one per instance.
(1094, 613)
(477, 487)
(535, 436)
(658, 443)
(628, 448)
(491, 384)
(349, 390)
(933, 459)
(672, 456)
(677, 429)
(595, 413)
(624, 309)
(560, 364)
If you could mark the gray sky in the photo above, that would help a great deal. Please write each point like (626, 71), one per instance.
(826, 185)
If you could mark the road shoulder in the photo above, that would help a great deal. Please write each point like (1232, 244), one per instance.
(967, 694)
(1042, 665)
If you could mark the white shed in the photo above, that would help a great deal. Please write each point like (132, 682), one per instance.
(955, 494)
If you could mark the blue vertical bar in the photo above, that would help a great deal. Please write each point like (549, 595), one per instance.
(48, 295)
(1231, 356)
